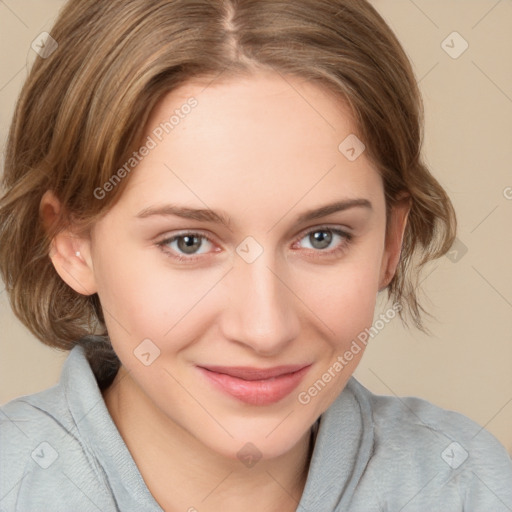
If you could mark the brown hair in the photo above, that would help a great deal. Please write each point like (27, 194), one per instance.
(83, 110)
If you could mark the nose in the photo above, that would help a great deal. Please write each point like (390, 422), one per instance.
(261, 308)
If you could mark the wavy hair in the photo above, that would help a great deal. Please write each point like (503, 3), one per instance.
(82, 111)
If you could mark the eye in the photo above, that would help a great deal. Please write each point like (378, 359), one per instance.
(189, 246)
(185, 246)
(320, 239)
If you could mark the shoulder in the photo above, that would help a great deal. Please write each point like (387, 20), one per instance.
(28, 419)
(414, 420)
(42, 457)
(437, 452)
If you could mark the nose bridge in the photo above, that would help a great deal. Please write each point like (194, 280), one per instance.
(261, 306)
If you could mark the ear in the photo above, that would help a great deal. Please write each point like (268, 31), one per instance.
(70, 253)
(394, 238)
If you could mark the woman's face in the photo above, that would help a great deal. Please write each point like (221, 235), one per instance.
(276, 285)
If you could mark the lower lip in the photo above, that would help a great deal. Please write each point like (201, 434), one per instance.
(256, 392)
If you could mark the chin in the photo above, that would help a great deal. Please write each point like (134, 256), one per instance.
(261, 441)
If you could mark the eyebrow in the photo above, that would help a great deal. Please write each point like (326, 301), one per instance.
(206, 215)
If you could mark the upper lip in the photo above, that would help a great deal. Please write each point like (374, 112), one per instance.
(249, 373)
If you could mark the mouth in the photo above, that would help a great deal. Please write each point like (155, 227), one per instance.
(255, 386)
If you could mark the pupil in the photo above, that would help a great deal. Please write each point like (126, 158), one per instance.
(325, 241)
(189, 244)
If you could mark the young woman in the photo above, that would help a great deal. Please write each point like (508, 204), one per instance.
(202, 201)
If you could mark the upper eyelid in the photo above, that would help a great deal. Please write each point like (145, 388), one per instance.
(167, 238)
(326, 227)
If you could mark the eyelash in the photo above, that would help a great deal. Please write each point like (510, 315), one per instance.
(317, 253)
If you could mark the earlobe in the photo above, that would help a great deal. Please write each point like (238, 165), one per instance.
(70, 254)
(394, 240)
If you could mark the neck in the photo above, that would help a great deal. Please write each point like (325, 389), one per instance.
(183, 474)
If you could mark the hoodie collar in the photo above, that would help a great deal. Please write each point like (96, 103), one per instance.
(343, 447)
(100, 434)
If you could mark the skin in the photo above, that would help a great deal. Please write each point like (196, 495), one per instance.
(262, 152)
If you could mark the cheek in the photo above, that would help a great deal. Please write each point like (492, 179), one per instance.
(143, 297)
(344, 296)
(347, 309)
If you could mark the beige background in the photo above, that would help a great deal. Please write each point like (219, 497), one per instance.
(466, 365)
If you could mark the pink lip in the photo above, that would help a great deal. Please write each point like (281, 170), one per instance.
(256, 386)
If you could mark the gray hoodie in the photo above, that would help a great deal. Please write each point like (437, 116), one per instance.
(61, 451)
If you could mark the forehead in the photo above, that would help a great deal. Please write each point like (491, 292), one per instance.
(248, 142)
(263, 104)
